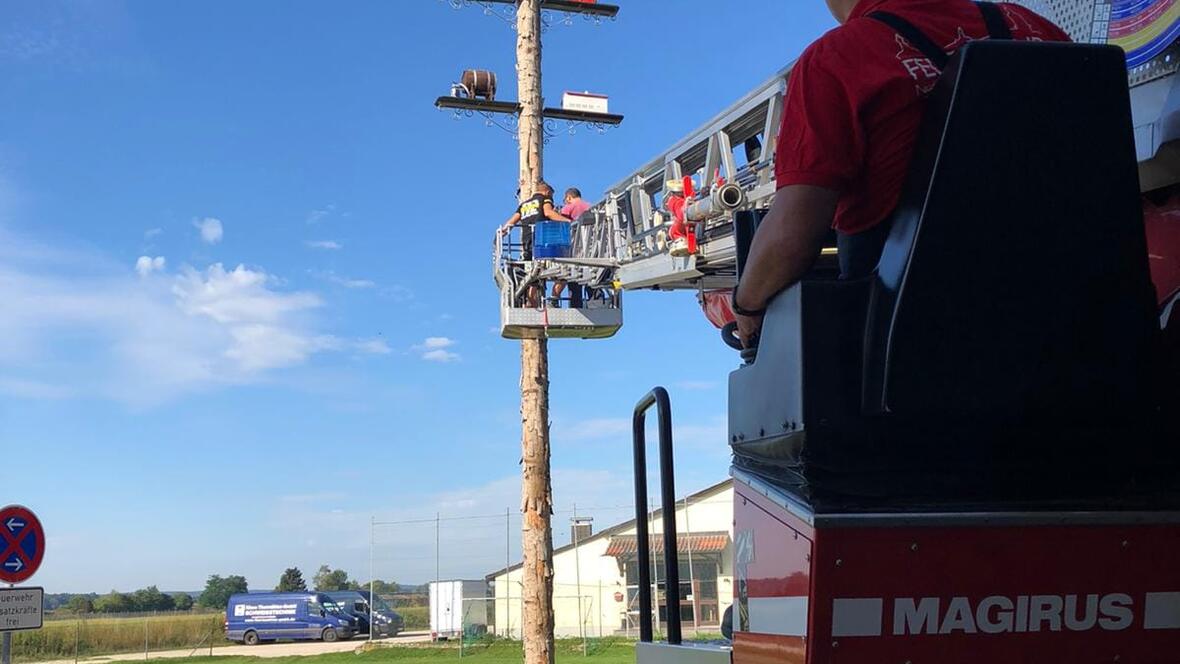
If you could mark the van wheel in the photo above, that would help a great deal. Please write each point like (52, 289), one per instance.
(250, 638)
(330, 635)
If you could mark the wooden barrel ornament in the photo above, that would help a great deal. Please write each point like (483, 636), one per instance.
(480, 83)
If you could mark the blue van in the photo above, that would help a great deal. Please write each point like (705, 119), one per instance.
(254, 617)
(356, 603)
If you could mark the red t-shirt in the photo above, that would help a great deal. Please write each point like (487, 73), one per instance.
(855, 99)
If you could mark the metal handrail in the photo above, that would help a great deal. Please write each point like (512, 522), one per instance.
(659, 398)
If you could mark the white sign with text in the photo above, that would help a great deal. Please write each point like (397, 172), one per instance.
(21, 608)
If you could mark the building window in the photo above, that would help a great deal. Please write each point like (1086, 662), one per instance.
(697, 592)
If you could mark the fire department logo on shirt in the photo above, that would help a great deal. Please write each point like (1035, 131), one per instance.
(926, 74)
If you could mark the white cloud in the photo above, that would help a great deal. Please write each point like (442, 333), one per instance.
(440, 356)
(592, 429)
(373, 346)
(331, 277)
(330, 245)
(80, 324)
(211, 230)
(152, 232)
(145, 265)
(316, 216)
(238, 296)
(434, 349)
(438, 342)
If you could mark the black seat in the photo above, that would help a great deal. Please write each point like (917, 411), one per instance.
(1010, 335)
(1015, 280)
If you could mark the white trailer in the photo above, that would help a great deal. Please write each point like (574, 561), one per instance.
(458, 607)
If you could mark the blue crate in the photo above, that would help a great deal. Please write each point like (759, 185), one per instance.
(551, 239)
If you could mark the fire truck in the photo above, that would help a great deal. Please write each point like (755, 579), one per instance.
(972, 455)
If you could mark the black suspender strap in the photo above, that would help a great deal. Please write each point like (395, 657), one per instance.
(914, 36)
(997, 27)
(993, 18)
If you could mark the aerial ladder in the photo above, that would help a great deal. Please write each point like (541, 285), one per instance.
(623, 242)
(973, 454)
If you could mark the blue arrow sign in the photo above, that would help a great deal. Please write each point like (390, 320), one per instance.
(14, 564)
(15, 525)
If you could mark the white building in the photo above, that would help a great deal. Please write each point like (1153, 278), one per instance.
(596, 578)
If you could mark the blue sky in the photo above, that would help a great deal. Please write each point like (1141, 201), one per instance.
(247, 299)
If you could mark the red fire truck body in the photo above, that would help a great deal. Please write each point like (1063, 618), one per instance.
(967, 588)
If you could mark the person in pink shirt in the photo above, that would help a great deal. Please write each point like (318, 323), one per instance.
(574, 206)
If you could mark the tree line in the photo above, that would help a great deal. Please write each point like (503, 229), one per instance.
(144, 599)
(215, 595)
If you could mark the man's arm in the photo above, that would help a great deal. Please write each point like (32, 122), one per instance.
(552, 214)
(786, 245)
(513, 220)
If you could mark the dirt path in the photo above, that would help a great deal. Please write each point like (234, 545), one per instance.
(296, 649)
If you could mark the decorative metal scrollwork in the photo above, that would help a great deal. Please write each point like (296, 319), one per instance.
(507, 13)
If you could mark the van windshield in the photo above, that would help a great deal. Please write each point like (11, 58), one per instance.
(334, 608)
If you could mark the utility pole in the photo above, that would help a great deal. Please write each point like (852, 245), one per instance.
(536, 484)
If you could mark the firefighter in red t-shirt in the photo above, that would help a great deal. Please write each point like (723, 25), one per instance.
(853, 105)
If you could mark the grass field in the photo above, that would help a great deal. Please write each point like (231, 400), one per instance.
(568, 652)
(105, 636)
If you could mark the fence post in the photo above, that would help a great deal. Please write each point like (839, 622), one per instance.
(77, 629)
(507, 574)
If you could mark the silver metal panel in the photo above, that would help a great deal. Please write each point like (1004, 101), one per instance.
(560, 323)
(1076, 17)
(662, 653)
(657, 270)
(774, 495)
(766, 397)
(1155, 110)
(995, 519)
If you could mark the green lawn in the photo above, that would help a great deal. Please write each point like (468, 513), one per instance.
(568, 652)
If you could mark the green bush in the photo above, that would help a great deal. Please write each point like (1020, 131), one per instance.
(416, 618)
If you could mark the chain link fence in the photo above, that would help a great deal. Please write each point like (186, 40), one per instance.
(74, 638)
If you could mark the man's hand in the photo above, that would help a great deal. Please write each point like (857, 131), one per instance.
(749, 327)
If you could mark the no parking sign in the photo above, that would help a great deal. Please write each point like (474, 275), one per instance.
(22, 543)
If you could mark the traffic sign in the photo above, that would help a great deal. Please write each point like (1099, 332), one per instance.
(21, 608)
(22, 543)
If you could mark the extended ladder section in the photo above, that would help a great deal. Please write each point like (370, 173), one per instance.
(624, 242)
(737, 147)
(730, 160)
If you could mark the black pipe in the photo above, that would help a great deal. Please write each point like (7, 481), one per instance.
(745, 224)
(639, 451)
(659, 398)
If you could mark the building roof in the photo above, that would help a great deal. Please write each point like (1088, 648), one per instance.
(619, 528)
(626, 545)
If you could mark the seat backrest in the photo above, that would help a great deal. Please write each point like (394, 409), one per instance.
(1014, 282)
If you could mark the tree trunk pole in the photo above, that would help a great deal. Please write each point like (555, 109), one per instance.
(536, 487)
